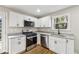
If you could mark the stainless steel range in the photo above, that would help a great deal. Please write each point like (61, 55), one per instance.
(31, 40)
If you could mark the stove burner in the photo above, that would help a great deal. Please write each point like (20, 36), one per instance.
(29, 34)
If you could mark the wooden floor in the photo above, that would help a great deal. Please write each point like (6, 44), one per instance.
(39, 50)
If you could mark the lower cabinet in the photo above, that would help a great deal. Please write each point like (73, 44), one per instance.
(22, 45)
(70, 46)
(52, 43)
(17, 44)
(60, 45)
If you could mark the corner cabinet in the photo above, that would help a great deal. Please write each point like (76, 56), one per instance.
(15, 19)
(45, 21)
(61, 45)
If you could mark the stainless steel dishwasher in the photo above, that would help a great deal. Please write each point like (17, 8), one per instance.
(44, 40)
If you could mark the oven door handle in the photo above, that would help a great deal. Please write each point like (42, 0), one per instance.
(31, 37)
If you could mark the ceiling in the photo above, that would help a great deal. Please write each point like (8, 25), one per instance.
(31, 9)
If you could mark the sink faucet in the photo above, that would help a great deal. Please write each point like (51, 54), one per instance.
(58, 30)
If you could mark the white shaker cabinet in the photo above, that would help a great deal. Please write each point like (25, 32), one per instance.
(57, 45)
(22, 46)
(20, 20)
(70, 46)
(41, 22)
(51, 43)
(45, 21)
(13, 45)
(15, 19)
(61, 45)
(37, 23)
(17, 44)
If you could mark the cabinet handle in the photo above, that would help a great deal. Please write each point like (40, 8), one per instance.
(66, 41)
(17, 24)
(55, 42)
(19, 39)
(19, 42)
(40, 25)
(29, 19)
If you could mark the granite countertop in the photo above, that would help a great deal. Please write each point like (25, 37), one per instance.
(11, 35)
(63, 35)
(42, 32)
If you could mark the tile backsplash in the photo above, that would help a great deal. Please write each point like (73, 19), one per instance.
(27, 29)
(55, 31)
(19, 30)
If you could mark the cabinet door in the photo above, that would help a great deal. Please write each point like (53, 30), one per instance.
(37, 23)
(60, 45)
(13, 19)
(51, 43)
(13, 45)
(20, 20)
(41, 22)
(70, 46)
(22, 45)
(47, 21)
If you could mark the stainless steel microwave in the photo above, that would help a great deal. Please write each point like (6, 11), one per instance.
(28, 23)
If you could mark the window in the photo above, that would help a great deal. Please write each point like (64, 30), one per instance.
(61, 22)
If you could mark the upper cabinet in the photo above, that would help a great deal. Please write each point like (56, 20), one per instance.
(36, 22)
(12, 19)
(45, 21)
(28, 18)
(20, 20)
(61, 22)
(15, 19)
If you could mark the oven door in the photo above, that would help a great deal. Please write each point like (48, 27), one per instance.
(31, 40)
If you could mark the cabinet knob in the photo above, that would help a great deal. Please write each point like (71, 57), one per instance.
(19, 42)
(55, 42)
(19, 39)
(17, 24)
(66, 41)
(29, 19)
